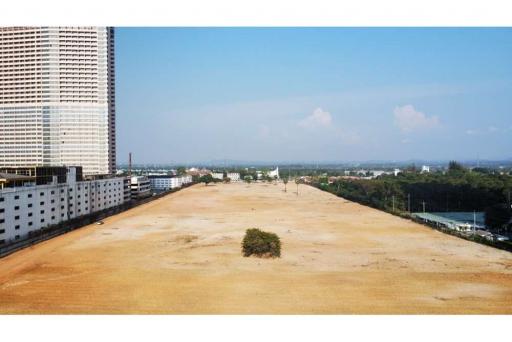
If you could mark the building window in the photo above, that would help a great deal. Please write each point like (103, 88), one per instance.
(29, 195)
(53, 192)
(1, 199)
(2, 210)
(29, 214)
(17, 237)
(41, 203)
(17, 217)
(17, 207)
(16, 197)
(2, 231)
(30, 205)
(41, 194)
(30, 223)
(42, 211)
(17, 227)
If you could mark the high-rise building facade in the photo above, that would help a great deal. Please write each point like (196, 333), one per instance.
(57, 97)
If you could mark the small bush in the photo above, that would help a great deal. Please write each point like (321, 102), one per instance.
(261, 244)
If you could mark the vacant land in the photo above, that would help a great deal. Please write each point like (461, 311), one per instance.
(181, 254)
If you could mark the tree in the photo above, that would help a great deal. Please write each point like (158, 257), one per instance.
(261, 244)
(181, 171)
(248, 179)
(285, 181)
(298, 181)
(497, 216)
(227, 180)
(455, 167)
(206, 179)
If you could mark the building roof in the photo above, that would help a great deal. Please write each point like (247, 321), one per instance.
(10, 177)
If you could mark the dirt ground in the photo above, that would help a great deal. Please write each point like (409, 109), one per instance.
(181, 254)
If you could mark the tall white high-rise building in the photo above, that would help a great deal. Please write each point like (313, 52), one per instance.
(57, 97)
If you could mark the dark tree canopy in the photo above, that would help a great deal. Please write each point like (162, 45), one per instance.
(206, 179)
(497, 216)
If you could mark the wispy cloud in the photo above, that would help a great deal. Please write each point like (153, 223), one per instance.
(319, 118)
(488, 130)
(409, 119)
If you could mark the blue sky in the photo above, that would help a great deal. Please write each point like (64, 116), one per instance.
(313, 94)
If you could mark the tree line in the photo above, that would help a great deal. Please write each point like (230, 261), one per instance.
(458, 189)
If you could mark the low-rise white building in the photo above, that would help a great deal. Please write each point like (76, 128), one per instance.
(234, 176)
(274, 173)
(218, 175)
(163, 183)
(27, 209)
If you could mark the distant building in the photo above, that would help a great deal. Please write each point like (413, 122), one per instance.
(234, 176)
(140, 187)
(396, 172)
(425, 169)
(218, 175)
(198, 172)
(274, 173)
(166, 182)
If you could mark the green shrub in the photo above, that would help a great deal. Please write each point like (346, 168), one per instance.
(261, 244)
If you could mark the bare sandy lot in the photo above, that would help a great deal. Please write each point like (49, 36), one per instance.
(181, 254)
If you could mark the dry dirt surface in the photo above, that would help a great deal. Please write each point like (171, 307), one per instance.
(181, 255)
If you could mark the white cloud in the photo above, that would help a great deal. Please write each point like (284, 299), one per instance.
(318, 118)
(492, 128)
(409, 119)
(471, 132)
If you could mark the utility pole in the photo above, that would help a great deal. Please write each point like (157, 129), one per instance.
(423, 206)
(393, 199)
(130, 164)
(409, 203)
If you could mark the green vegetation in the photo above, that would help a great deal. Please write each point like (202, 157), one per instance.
(498, 216)
(261, 244)
(298, 181)
(285, 181)
(458, 189)
(206, 179)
